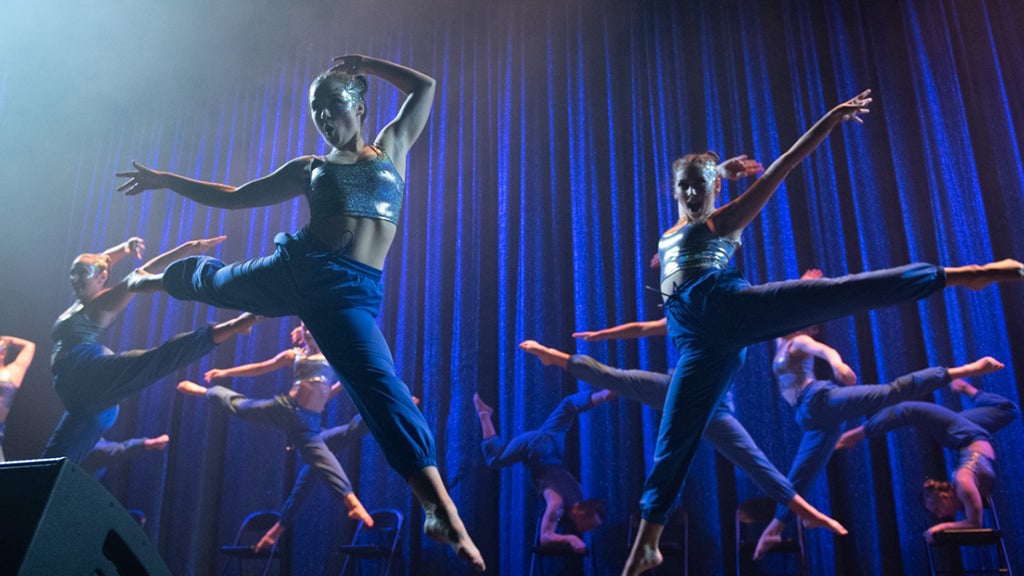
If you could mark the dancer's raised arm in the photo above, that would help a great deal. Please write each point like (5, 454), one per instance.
(402, 131)
(843, 373)
(731, 219)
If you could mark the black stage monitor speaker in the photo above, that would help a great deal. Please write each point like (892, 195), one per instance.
(57, 520)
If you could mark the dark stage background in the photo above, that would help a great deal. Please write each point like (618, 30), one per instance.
(535, 198)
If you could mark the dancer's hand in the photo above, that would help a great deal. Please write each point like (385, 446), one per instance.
(844, 374)
(739, 167)
(850, 109)
(578, 545)
(655, 261)
(140, 180)
(588, 335)
(929, 534)
(213, 374)
(812, 274)
(136, 246)
(203, 245)
(350, 64)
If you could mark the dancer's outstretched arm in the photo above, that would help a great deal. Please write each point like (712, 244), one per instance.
(625, 331)
(731, 219)
(402, 131)
(285, 183)
(843, 373)
(284, 359)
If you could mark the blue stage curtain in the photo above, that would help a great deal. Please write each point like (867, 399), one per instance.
(535, 197)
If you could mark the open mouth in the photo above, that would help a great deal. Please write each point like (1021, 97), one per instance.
(328, 130)
(695, 205)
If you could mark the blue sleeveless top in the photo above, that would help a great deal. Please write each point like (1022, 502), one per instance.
(694, 248)
(370, 188)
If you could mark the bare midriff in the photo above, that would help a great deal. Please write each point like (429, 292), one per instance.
(366, 240)
(311, 394)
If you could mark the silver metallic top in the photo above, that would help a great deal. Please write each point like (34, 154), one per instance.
(694, 248)
(370, 188)
(312, 368)
(792, 372)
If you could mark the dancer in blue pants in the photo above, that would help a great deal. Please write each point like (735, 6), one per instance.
(297, 413)
(969, 432)
(822, 406)
(91, 379)
(329, 273)
(566, 514)
(724, 431)
(714, 313)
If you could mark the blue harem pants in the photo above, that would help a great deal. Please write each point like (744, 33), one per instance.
(713, 316)
(335, 439)
(724, 431)
(338, 299)
(91, 380)
(822, 408)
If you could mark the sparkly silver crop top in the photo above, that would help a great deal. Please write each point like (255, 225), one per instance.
(792, 371)
(694, 248)
(311, 368)
(370, 188)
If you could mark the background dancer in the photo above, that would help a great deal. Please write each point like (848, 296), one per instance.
(91, 379)
(542, 452)
(714, 313)
(724, 431)
(12, 374)
(329, 273)
(822, 406)
(297, 413)
(969, 432)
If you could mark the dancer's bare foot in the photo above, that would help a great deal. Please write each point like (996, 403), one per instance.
(191, 388)
(270, 538)
(547, 356)
(850, 438)
(961, 386)
(980, 367)
(445, 529)
(645, 554)
(441, 521)
(356, 511)
(770, 538)
(641, 559)
(482, 409)
(602, 396)
(241, 324)
(158, 443)
(977, 277)
(814, 518)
